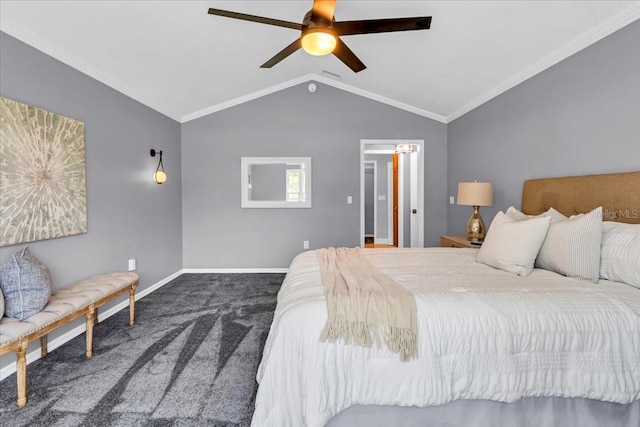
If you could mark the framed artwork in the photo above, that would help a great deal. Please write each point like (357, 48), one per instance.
(43, 185)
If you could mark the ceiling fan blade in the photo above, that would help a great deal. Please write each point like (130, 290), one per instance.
(350, 59)
(254, 18)
(324, 8)
(297, 44)
(348, 28)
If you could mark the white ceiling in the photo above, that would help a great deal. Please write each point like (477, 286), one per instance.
(177, 59)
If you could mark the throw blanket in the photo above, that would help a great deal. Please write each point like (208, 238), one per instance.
(365, 305)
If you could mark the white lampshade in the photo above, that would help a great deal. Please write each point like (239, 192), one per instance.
(159, 177)
(475, 193)
(319, 41)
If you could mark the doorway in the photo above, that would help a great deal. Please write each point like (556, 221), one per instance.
(405, 218)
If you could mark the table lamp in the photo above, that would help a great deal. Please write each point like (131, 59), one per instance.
(475, 194)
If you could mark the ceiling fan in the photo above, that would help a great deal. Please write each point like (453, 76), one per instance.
(320, 33)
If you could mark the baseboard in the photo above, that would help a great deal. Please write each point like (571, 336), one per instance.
(102, 315)
(235, 270)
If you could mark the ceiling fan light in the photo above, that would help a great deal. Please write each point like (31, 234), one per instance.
(318, 41)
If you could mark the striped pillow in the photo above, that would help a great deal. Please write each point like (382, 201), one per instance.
(620, 257)
(572, 245)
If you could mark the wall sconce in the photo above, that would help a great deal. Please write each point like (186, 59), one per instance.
(159, 176)
(475, 194)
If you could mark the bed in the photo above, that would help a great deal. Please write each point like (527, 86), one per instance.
(494, 348)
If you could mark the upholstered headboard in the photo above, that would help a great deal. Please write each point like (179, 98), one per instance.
(617, 193)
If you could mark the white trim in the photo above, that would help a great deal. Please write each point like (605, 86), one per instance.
(608, 27)
(413, 201)
(383, 242)
(245, 98)
(421, 150)
(375, 202)
(390, 203)
(381, 151)
(401, 201)
(102, 315)
(235, 270)
(245, 177)
(319, 79)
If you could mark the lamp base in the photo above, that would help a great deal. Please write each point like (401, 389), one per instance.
(476, 230)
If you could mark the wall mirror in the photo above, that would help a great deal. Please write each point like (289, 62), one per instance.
(275, 182)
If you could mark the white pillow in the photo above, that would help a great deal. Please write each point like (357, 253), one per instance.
(512, 245)
(620, 253)
(572, 245)
(514, 213)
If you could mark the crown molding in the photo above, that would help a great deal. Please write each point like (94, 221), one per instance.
(307, 78)
(44, 46)
(608, 27)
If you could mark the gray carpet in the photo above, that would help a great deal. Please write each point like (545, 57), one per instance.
(190, 360)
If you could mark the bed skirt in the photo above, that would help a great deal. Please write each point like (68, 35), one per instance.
(526, 412)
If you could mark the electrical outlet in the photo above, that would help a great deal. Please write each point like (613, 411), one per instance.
(349, 200)
(305, 244)
(132, 264)
(452, 200)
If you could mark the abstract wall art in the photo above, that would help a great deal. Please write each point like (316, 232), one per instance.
(43, 192)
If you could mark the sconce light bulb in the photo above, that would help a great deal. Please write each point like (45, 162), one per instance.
(159, 177)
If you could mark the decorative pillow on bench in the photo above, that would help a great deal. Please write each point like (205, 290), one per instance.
(26, 285)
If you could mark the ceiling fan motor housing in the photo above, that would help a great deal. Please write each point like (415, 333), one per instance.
(318, 37)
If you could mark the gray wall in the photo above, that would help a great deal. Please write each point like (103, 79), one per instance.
(327, 126)
(129, 216)
(581, 116)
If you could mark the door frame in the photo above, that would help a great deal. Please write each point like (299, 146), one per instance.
(390, 203)
(420, 164)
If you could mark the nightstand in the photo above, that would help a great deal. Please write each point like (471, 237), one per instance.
(456, 242)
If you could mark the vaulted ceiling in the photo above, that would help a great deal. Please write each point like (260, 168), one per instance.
(184, 63)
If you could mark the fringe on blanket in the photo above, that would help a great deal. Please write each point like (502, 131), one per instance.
(364, 305)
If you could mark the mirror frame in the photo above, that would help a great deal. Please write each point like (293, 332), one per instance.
(305, 163)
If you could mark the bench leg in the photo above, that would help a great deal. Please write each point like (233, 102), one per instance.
(21, 373)
(43, 346)
(89, 333)
(95, 317)
(132, 306)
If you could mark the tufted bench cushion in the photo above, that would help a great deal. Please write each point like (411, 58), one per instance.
(64, 302)
(81, 298)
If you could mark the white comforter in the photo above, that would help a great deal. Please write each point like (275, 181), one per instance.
(483, 334)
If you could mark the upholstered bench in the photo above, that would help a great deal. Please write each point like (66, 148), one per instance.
(80, 299)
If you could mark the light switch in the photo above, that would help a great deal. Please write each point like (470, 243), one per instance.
(382, 197)
(452, 200)
(349, 200)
